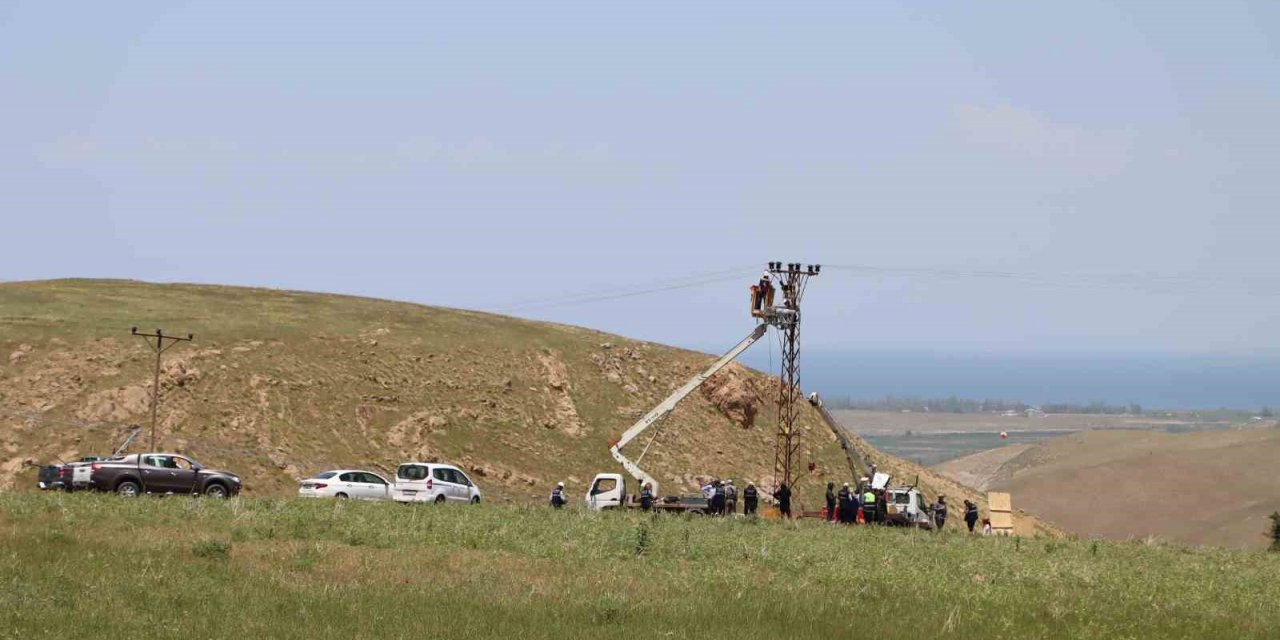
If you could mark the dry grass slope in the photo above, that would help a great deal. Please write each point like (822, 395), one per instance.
(280, 384)
(1211, 487)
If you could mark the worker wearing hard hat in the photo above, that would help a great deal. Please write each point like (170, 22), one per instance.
(557, 496)
(646, 497)
(730, 497)
(848, 508)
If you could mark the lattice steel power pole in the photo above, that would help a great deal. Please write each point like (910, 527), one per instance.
(159, 347)
(791, 280)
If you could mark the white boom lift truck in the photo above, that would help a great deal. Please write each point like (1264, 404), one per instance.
(609, 490)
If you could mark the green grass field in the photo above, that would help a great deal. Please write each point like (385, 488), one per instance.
(285, 568)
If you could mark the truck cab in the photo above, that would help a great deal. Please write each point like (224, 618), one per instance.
(608, 491)
(906, 507)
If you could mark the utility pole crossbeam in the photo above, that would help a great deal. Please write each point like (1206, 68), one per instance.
(159, 347)
(791, 280)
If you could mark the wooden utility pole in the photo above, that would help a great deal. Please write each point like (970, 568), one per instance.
(159, 347)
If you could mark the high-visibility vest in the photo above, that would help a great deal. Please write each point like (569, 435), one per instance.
(869, 499)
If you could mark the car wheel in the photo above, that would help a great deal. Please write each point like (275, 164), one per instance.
(342, 496)
(475, 499)
(440, 499)
(128, 489)
(215, 490)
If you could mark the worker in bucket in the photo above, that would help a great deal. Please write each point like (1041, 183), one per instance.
(557, 496)
(646, 497)
(750, 498)
(730, 497)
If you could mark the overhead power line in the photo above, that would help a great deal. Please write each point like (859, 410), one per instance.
(1159, 283)
(615, 293)
(1148, 282)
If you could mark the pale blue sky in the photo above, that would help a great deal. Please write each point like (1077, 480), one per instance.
(479, 154)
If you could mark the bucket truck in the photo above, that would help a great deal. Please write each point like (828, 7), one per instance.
(609, 490)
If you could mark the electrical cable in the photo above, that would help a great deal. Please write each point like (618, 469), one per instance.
(1156, 283)
(601, 295)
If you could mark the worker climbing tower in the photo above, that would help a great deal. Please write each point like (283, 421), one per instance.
(790, 281)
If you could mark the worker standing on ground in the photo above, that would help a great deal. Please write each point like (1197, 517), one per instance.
(730, 497)
(557, 495)
(717, 498)
(848, 508)
(940, 512)
(646, 497)
(709, 491)
(869, 506)
(970, 514)
(831, 501)
(750, 498)
(783, 496)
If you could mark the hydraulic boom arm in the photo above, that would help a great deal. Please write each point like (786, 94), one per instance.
(666, 406)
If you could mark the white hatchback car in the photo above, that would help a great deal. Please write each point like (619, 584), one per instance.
(346, 483)
(431, 482)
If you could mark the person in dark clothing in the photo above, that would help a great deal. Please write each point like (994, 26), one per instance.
(970, 514)
(882, 506)
(783, 496)
(940, 512)
(831, 501)
(750, 498)
(557, 495)
(646, 497)
(848, 507)
(717, 499)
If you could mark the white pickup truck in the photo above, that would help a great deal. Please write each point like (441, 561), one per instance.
(609, 491)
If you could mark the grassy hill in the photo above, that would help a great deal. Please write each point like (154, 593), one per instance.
(280, 384)
(286, 568)
(1208, 487)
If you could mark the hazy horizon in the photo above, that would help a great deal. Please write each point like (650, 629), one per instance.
(994, 178)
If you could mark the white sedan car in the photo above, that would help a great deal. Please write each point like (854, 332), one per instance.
(346, 483)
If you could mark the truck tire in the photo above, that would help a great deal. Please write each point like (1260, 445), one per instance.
(128, 489)
(342, 496)
(440, 499)
(475, 499)
(216, 490)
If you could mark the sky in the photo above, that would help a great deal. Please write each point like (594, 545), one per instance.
(979, 177)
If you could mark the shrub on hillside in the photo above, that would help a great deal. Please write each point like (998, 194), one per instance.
(1275, 531)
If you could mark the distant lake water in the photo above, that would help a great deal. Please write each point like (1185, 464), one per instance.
(1153, 381)
(929, 449)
